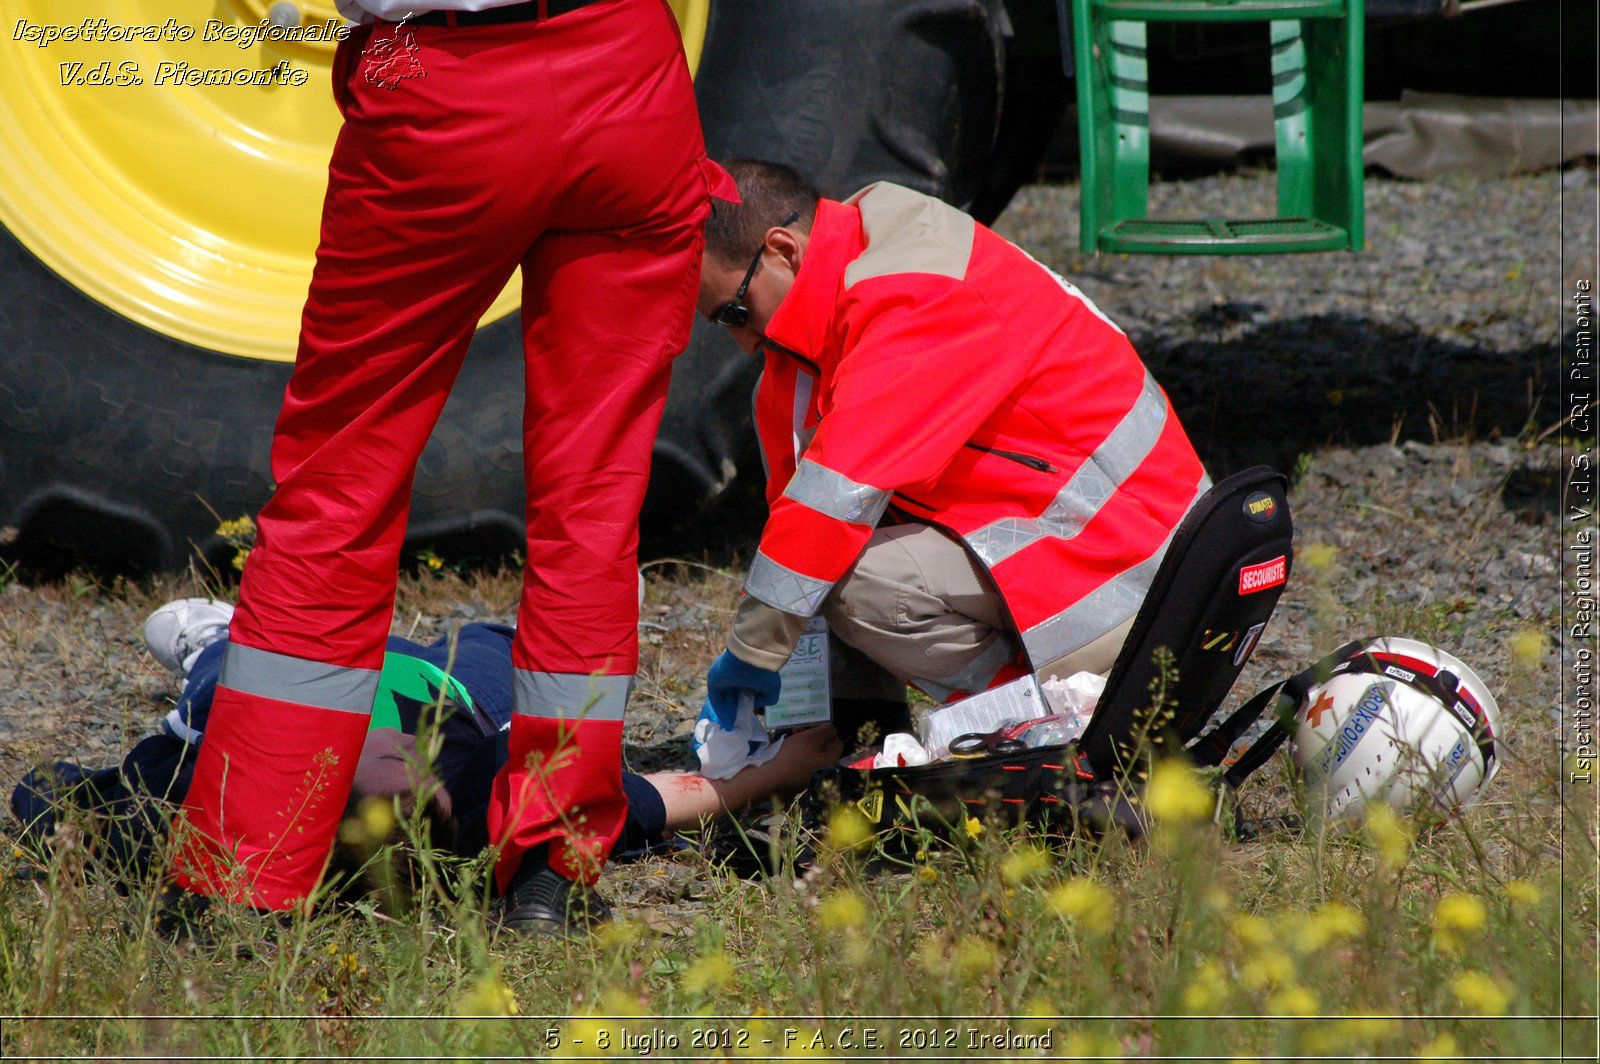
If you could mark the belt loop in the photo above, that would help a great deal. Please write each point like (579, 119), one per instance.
(450, 20)
(544, 10)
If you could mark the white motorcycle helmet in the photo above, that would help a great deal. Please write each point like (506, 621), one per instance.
(1399, 722)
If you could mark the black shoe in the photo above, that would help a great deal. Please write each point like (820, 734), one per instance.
(544, 902)
(183, 916)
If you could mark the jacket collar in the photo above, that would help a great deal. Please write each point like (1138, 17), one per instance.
(803, 321)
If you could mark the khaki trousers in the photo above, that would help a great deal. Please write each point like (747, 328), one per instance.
(917, 609)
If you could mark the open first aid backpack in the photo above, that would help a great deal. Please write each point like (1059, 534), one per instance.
(1211, 598)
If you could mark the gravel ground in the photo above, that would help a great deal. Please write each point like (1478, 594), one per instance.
(1407, 386)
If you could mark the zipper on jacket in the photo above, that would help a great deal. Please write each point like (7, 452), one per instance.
(816, 370)
(1015, 456)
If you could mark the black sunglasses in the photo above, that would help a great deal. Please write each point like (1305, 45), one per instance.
(734, 314)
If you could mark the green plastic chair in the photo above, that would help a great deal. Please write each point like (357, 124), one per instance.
(1317, 62)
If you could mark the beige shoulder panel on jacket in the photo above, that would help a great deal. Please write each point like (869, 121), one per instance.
(907, 232)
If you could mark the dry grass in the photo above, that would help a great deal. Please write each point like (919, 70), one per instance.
(1472, 938)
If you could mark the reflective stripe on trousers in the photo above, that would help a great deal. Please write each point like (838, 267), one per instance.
(570, 697)
(305, 683)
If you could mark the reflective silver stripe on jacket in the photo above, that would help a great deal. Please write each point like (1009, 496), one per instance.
(305, 683)
(570, 696)
(784, 589)
(1090, 488)
(836, 495)
(1103, 609)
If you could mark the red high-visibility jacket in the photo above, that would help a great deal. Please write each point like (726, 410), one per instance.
(922, 362)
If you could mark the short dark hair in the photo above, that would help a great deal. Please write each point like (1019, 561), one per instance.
(768, 192)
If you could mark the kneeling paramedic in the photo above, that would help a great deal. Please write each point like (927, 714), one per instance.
(971, 474)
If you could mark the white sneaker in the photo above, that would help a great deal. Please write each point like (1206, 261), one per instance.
(178, 631)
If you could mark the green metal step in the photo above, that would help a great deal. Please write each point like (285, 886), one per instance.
(1223, 236)
(1217, 10)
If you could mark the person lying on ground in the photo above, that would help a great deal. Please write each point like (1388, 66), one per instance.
(439, 737)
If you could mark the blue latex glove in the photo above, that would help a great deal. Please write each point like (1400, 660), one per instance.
(728, 677)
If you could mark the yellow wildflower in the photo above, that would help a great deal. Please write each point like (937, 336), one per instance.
(1265, 969)
(1252, 930)
(1293, 1001)
(237, 528)
(927, 875)
(1176, 793)
(1481, 993)
(1091, 905)
(1208, 989)
(371, 825)
(1318, 555)
(973, 958)
(848, 830)
(1339, 919)
(1389, 835)
(1040, 1015)
(1457, 918)
(1521, 893)
(1024, 863)
(620, 1001)
(713, 971)
(841, 911)
(488, 996)
(974, 827)
(1527, 648)
(1442, 1046)
(1327, 924)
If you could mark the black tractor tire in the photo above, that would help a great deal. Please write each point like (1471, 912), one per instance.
(1037, 95)
(848, 92)
(122, 448)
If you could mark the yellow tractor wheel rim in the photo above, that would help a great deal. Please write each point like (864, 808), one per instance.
(192, 209)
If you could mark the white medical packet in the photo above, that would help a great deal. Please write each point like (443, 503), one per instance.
(1010, 703)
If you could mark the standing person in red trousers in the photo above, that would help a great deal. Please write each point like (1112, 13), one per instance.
(560, 136)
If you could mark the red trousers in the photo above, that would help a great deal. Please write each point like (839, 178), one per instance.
(571, 148)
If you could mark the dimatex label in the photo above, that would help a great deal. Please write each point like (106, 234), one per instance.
(1354, 728)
